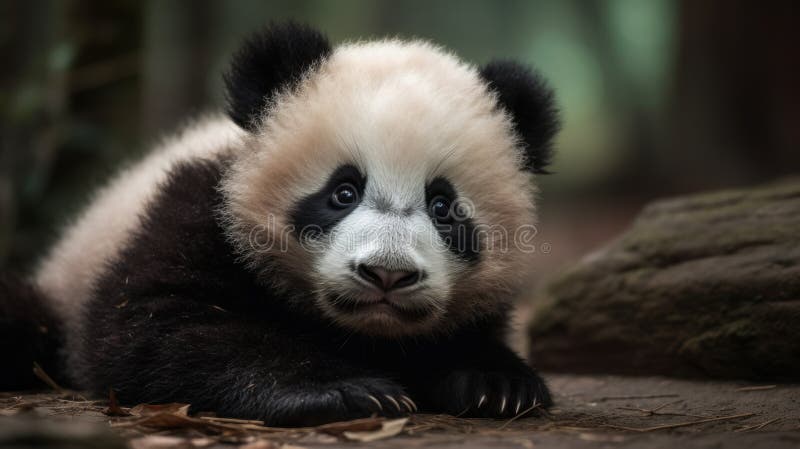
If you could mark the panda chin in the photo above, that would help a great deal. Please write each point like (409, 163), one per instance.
(381, 315)
(382, 306)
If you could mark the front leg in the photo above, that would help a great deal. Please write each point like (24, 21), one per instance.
(166, 349)
(481, 379)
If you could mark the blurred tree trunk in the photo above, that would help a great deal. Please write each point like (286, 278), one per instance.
(736, 99)
(177, 62)
(70, 65)
(33, 102)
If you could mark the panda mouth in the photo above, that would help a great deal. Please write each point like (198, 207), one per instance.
(382, 306)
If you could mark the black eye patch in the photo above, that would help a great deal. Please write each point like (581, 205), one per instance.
(456, 228)
(317, 213)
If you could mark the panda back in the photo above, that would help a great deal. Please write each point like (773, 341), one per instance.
(68, 272)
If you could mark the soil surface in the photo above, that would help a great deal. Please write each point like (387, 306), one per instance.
(591, 412)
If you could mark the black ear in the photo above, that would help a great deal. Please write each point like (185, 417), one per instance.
(531, 104)
(269, 61)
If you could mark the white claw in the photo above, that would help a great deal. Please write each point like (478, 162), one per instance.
(482, 400)
(519, 404)
(412, 407)
(503, 405)
(376, 401)
(393, 401)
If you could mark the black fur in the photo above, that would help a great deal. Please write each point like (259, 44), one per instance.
(530, 102)
(269, 62)
(459, 234)
(177, 318)
(314, 214)
(29, 332)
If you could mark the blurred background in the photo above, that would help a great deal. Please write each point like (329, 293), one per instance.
(658, 97)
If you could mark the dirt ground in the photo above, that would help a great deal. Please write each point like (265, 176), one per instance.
(591, 412)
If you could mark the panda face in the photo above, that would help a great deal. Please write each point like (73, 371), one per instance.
(384, 256)
(387, 188)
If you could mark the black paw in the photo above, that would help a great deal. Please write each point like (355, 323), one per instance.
(492, 394)
(338, 401)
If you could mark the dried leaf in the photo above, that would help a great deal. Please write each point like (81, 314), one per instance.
(113, 406)
(174, 408)
(174, 421)
(170, 416)
(160, 442)
(202, 442)
(356, 425)
(259, 444)
(388, 429)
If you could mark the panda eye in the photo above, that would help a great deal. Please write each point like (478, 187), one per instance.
(344, 196)
(440, 209)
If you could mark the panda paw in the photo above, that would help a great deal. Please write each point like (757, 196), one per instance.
(339, 401)
(493, 394)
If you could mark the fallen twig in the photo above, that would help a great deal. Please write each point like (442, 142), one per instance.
(657, 411)
(624, 398)
(651, 411)
(757, 388)
(682, 424)
(758, 426)
(233, 420)
(519, 415)
(38, 371)
(421, 423)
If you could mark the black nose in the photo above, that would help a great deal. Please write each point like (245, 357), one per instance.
(387, 279)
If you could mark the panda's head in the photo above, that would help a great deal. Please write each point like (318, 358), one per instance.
(386, 185)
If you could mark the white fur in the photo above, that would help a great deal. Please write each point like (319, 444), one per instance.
(403, 113)
(394, 240)
(68, 272)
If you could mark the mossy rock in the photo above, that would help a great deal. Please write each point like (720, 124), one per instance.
(700, 285)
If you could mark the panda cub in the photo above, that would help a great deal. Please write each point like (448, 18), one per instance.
(345, 242)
